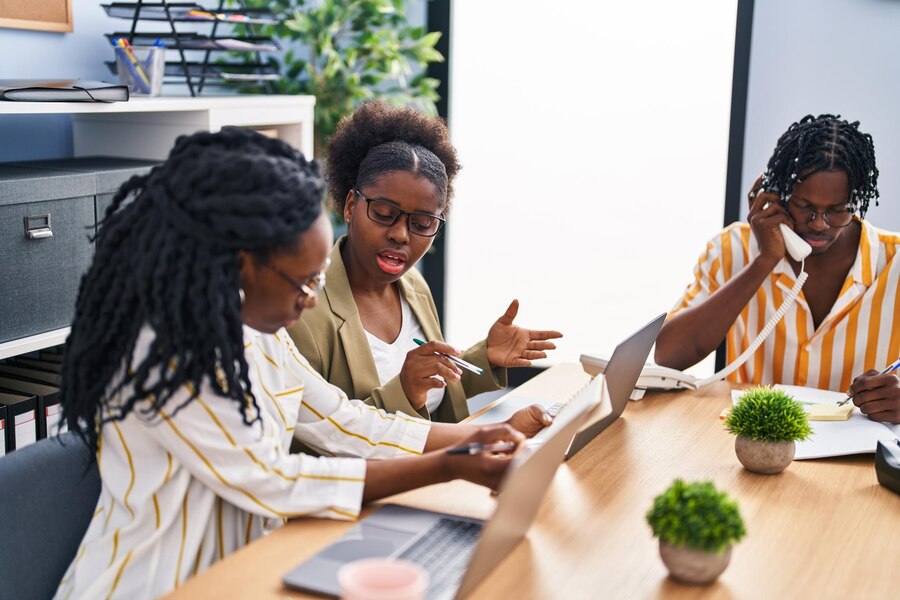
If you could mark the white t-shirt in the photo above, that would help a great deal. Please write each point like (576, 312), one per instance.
(389, 357)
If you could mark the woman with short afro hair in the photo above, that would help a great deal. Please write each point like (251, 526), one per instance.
(390, 178)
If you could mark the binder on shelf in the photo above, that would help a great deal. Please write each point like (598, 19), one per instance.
(47, 401)
(61, 90)
(21, 423)
(51, 356)
(29, 374)
(36, 363)
(2, 429)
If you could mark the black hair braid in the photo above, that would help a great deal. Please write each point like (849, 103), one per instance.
(824, 143)
(378, 139)
(167, 257)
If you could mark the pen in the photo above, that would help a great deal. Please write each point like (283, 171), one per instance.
(888, 369)
(458, 361)
(478, 448)
(135, 64)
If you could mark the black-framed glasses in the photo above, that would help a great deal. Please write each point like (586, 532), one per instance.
(384, 213)
(311, 287)
(833, 217)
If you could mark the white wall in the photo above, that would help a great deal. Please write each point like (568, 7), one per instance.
(594, 146)
(827, 56)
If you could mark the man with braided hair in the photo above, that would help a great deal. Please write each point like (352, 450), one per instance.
(390, 178)
(820, 182)
(180, 377)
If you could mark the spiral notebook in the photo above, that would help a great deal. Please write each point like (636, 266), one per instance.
(61, 90)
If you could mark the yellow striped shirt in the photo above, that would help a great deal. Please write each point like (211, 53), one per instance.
(182, 490)
(858, 334)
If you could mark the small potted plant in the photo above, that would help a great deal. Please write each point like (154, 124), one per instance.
(696, 525)
(767, 422)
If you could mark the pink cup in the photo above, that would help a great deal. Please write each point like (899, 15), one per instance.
(382, 579)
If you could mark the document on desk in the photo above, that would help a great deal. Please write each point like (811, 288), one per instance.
(856, 435)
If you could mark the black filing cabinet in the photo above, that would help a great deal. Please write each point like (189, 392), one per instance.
(49, 211)
(46, 218)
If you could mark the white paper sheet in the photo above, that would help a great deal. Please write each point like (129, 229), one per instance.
(856, 435)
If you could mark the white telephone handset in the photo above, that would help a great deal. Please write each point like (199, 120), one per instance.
(656, 377)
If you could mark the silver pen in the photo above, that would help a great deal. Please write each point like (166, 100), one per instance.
(454, 360)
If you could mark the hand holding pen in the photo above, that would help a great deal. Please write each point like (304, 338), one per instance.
(425, 368)
(877, 394)
(484, 456)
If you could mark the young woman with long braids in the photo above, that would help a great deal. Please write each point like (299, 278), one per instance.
(390, 174)
(819, 181)
(180, 377)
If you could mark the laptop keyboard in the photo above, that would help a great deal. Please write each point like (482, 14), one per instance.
(444, 551)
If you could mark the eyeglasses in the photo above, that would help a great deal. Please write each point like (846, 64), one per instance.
(311, 287)
(840, 217)
(386, 214)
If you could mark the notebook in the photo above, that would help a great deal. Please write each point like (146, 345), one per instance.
(61, 90)
(855, 435)
(457, 552)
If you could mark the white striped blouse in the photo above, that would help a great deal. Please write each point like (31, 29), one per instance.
(858, 334)
(182, 490)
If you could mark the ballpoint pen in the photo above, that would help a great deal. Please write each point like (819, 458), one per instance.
(478, 448)
(458, 361)
(888, 369)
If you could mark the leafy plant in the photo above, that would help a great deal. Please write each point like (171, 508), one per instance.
(346, 51)
(768, 415)
(696, 515)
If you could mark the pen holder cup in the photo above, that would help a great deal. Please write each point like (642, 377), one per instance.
(141, 68)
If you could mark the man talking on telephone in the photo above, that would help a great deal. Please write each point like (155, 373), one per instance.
(839, 333)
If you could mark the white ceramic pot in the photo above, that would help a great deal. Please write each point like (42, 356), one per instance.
(693, 566)
(766, 458)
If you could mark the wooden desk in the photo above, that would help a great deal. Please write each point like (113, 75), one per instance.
(821, 529)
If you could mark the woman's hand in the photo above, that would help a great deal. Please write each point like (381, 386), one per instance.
(530, 420)
(766, 214)
(877, 396)
(509, 345)
(484, 468)
(417, 375)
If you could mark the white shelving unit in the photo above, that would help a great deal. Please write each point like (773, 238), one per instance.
(146, 128)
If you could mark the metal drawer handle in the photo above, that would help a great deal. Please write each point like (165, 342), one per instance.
(38, 227)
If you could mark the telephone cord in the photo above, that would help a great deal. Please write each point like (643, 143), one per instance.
(786, 304)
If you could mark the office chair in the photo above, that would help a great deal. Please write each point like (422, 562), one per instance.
(47, 500)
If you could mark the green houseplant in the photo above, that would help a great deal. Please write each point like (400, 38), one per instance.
(696, 525)
(767, 423)
(344, 52)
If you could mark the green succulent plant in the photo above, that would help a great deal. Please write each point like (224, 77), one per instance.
(696, 515)
(768, 415)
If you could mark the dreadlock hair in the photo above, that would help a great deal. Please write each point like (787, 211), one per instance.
(168, 259)
(824, 143)
(378, 139)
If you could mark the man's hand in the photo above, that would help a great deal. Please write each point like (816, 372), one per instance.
(877, 395)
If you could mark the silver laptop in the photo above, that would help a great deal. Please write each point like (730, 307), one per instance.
(621, 374)
(457, 552)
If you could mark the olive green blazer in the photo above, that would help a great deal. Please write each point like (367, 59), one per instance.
(332, 338)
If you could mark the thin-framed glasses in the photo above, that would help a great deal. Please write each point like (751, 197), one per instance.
(311, 287)
(384, 213)
(833, 217)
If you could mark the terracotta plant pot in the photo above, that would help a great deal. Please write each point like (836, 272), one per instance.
(696, 567)
(766, 458)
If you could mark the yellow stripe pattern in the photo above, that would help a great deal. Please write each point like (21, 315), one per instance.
(176, 483)
(858, 333)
